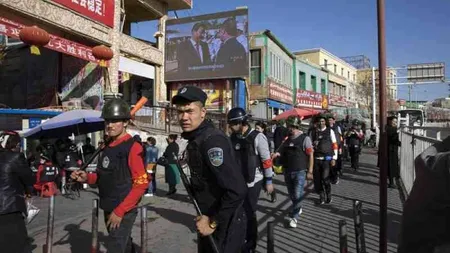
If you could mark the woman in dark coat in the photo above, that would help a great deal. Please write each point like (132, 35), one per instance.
(393, 145)
(172, 175)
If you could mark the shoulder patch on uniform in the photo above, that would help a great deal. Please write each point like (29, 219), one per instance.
(105, 162)
(215, 156)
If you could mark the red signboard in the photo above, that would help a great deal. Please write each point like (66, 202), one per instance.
(280, 93)
(98, 10)
(337, 100)
(309, 99)
(12, 29)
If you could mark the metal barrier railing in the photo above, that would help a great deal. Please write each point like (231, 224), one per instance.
(414, 141)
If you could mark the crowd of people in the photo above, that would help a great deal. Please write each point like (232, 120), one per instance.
(227, 172)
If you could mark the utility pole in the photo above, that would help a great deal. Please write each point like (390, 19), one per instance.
(383, 120)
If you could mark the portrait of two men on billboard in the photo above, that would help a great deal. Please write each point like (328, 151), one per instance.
(207, 49)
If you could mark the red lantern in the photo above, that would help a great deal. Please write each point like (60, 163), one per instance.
(35, 37)
(102, 53)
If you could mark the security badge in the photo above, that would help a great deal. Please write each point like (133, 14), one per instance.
(105, 162)
(215, 156)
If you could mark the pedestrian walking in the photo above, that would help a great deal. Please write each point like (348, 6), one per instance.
(151, 157)
(172, 175)
(121, 177)
(16, 182)
(393, 143)
(216, 177)
(253, 153)
(297, 157)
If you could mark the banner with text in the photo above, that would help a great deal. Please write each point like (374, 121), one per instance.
(58, 44)
(280, 93)
(98, 10)
(337, 100)
(306, 98)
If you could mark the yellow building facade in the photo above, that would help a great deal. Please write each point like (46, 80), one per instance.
(342, 77)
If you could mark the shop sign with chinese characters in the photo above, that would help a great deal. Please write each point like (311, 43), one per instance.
(306, 98)
(98, 10)
(337, 100)
(280, 93)
(12, 29)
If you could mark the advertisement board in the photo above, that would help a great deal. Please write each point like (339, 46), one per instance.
(309, 99)
(215, 89)
(98, 10)
(336, 100)
(279, 92)
(212, 46)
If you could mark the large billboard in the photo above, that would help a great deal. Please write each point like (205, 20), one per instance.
(213, 46)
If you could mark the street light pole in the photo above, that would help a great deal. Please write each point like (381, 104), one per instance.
(383, 137)
(374, 100)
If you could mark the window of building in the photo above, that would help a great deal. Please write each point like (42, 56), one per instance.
(348, 75)
(342, 71)
(335, 68)
(325, 63)
(354, 77)
(323, 86)
(255, 66)
(302, 80)
(314, 83)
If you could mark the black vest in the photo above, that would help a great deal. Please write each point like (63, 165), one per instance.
(293, 157)
(245, 154)
(337, 134)
(114, 176)
(203, 181)
(324, 146)
(71, 160)
(353, 140)
(48, 173)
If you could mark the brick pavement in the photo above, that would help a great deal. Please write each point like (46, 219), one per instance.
(171, 220)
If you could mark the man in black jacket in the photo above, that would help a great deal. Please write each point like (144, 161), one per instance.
(16, 181)
(232, 58)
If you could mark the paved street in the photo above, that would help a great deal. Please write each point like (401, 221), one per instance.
(171, 220)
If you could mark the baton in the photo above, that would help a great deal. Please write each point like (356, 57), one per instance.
(181, 164)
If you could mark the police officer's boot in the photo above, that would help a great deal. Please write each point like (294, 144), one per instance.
(328, 198)
(322, 198)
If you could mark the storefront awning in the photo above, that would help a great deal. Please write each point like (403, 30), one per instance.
(136, 68)
(276, 104)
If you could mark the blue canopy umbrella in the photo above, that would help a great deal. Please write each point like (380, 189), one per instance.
(72, 122)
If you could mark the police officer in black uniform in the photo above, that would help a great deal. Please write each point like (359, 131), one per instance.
(253, 153)
(325, 156)
(219, 186)
(354, 140)
(336, 170)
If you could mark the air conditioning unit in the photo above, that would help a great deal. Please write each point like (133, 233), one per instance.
(72, 104)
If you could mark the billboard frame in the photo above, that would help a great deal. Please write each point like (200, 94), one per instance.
(218, 15)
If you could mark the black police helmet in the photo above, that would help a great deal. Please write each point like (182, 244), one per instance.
(237, 115)
(116, 109)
